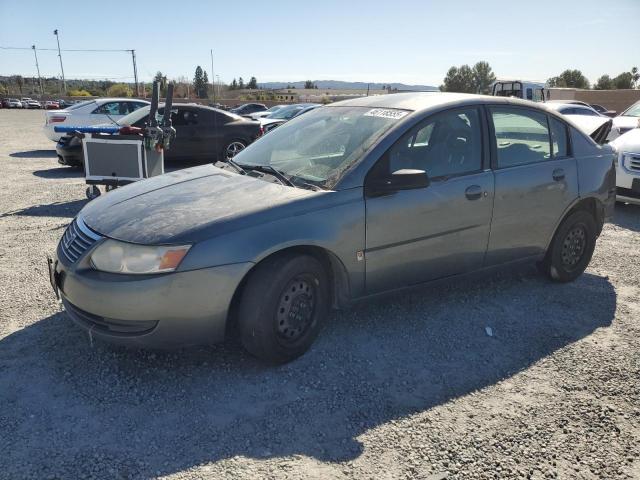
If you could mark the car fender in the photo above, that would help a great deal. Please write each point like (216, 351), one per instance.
(337, 228)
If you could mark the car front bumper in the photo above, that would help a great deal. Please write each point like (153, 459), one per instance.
(627, 184)
(149, 311)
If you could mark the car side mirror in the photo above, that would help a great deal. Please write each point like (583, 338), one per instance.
(404, 179)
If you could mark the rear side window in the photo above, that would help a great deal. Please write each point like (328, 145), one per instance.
(521, 136)
(184, 118)
(110, 108)
(559, 138)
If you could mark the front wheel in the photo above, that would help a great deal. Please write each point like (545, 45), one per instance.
(283, 306)
(571, 248)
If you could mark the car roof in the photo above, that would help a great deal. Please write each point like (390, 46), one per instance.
(418, 101)
(100, 101)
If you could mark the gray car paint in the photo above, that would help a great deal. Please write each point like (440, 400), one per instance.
(373, 244)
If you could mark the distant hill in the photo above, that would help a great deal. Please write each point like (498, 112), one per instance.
(340, 85)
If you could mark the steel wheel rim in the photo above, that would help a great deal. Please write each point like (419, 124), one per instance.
(296, 309)
(234, 148)
(574, 246)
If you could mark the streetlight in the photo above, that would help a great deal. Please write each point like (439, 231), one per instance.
(212, 78)
(218, 80)
(38, 68)
(64, 82)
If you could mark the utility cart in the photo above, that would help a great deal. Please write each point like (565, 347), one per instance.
(115, 156)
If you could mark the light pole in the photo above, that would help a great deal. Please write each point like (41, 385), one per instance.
(135, 72)
(213, 84)
(218, 80)
(64, 82)
(38, 68)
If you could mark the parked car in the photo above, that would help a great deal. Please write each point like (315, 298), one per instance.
(90, 112)
(627, 147)
(598, 108)
(266, 113)
(13, 103)
(285, 114)
(602, 110)
(248, 108)
(33, 104)
(573, 109)
(627, 120)
(66, 103)
(203, 134)
(51, 105)
(349, 200)
(627, 151)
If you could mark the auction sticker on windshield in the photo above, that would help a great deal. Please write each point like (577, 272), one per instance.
(386, 113)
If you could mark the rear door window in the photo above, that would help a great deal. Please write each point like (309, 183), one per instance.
(521, 136)
(559, 138)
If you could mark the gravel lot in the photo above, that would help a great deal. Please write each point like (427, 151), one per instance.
(407, 386)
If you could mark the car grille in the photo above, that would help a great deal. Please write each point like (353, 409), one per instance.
(77, 239)
(632, 161)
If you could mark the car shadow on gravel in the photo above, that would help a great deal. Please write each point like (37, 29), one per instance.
(34, 154)
(89, 407)
(58, 209)
(627, 216)
(60, 172)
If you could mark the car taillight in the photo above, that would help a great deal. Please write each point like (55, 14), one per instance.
(261, 131)
(57, 119)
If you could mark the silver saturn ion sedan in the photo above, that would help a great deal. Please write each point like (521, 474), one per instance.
(350, 200)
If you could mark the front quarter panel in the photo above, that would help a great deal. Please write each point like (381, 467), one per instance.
(336, 225)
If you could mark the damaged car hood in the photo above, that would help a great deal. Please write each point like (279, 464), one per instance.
(190, 205)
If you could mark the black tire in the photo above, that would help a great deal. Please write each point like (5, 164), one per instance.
(571, 248)
(237, 145)
(282, 307)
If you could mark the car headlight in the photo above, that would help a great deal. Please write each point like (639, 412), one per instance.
(120, 257)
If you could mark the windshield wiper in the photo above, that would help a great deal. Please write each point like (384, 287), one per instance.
(272, 171)
(240, 170)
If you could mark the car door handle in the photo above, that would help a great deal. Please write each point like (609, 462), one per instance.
(558, 174)
(474, 192)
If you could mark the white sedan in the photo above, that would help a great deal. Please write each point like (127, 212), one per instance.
(627, 120)
(91, 112)
(627, 147)
(628, 166)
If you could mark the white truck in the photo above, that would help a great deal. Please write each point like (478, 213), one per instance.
(525, 89)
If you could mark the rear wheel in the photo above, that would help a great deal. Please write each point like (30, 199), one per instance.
(233, 148)
(282, 307)
(571, 248)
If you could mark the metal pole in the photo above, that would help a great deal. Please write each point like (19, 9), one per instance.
(38, 68)
(64, 82)
(218, 79)
(135, 72)
(213, 83)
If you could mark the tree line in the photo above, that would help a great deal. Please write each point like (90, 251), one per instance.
(478, 79)
(575, 79)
